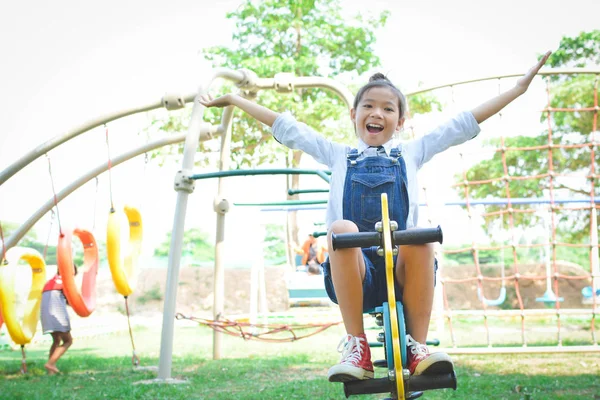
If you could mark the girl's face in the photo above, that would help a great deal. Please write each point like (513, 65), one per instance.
(377, 116)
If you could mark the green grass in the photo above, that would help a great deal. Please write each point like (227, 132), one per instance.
(100, 368)
(153, 294)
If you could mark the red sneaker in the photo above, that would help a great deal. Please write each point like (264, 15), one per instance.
(356, 360)
(422, 362)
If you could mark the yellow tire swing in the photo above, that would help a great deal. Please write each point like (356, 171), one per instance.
(21, 331)
(122, 264)
(122, 267)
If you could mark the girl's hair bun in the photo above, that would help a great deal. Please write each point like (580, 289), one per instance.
(378, 77)
(380, 80)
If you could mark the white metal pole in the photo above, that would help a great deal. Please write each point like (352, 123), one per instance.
(253, 293)
(595, 268)
(184, 186)
(221, 207)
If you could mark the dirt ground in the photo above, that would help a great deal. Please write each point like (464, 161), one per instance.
(195, 294)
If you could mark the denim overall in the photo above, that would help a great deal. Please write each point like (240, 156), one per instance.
(365, 180)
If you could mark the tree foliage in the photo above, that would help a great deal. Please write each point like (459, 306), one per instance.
(568, 128)
(306, 38)
(274, 242)
(195, 245)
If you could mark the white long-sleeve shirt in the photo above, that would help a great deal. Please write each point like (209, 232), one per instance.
(298, 136)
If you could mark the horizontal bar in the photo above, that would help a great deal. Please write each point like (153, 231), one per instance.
(519, 200)
(292, 192)
(556, 71)
(252, 172)
(514, 201)
(283, 203)
(528, 312)
(522, 349)
(294, 208)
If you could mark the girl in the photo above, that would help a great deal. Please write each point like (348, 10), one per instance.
(355, 278)
(55, 320)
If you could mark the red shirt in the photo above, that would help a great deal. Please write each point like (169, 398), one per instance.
(53, 284)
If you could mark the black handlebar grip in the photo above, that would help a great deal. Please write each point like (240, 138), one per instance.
(357, 239)
(418, 236)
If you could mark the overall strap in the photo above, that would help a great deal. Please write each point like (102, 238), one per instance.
(352, 156)
(395, 153)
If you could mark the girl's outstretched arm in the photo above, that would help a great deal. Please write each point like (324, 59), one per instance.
(256, 111)
(492, 106)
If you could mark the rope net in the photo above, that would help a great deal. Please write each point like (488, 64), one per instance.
(547, 211)
(267, 332)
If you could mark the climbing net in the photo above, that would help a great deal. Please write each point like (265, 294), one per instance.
(550, 213)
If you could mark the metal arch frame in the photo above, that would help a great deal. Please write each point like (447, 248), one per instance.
(556, 71)
(208, 130)
(237, 76)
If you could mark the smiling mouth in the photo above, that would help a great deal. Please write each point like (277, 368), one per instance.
(374, 128)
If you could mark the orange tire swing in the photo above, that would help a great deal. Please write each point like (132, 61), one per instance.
(82, 301)
(122, 267)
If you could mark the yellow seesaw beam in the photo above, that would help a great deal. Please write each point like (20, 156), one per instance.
(389, 277)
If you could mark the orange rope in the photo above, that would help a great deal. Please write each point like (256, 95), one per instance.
(235, 328)
(135, 360)
(23, 360)
(54, 195)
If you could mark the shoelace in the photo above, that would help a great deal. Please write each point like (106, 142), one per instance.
(348, 355)
(418, 349)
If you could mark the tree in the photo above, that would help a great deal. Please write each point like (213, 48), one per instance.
(195, 245)
(274, 242)
(568, 128)
(306, 38)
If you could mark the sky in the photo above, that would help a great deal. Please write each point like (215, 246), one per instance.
(66, 62)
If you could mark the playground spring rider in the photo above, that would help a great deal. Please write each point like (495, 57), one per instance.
(390, 315)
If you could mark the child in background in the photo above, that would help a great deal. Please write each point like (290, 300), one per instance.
(55, 320)
(355, 278)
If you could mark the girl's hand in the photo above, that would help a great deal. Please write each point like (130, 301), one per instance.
(523, 83)
(223, 101)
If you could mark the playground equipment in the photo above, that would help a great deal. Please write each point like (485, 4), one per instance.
(390, 315)
(550, 181)
(22, 331)
(305, 289)
(549, 296)
(249, 84)
(502, 296)
(587, 293)
(82, 301)
(122, 266)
